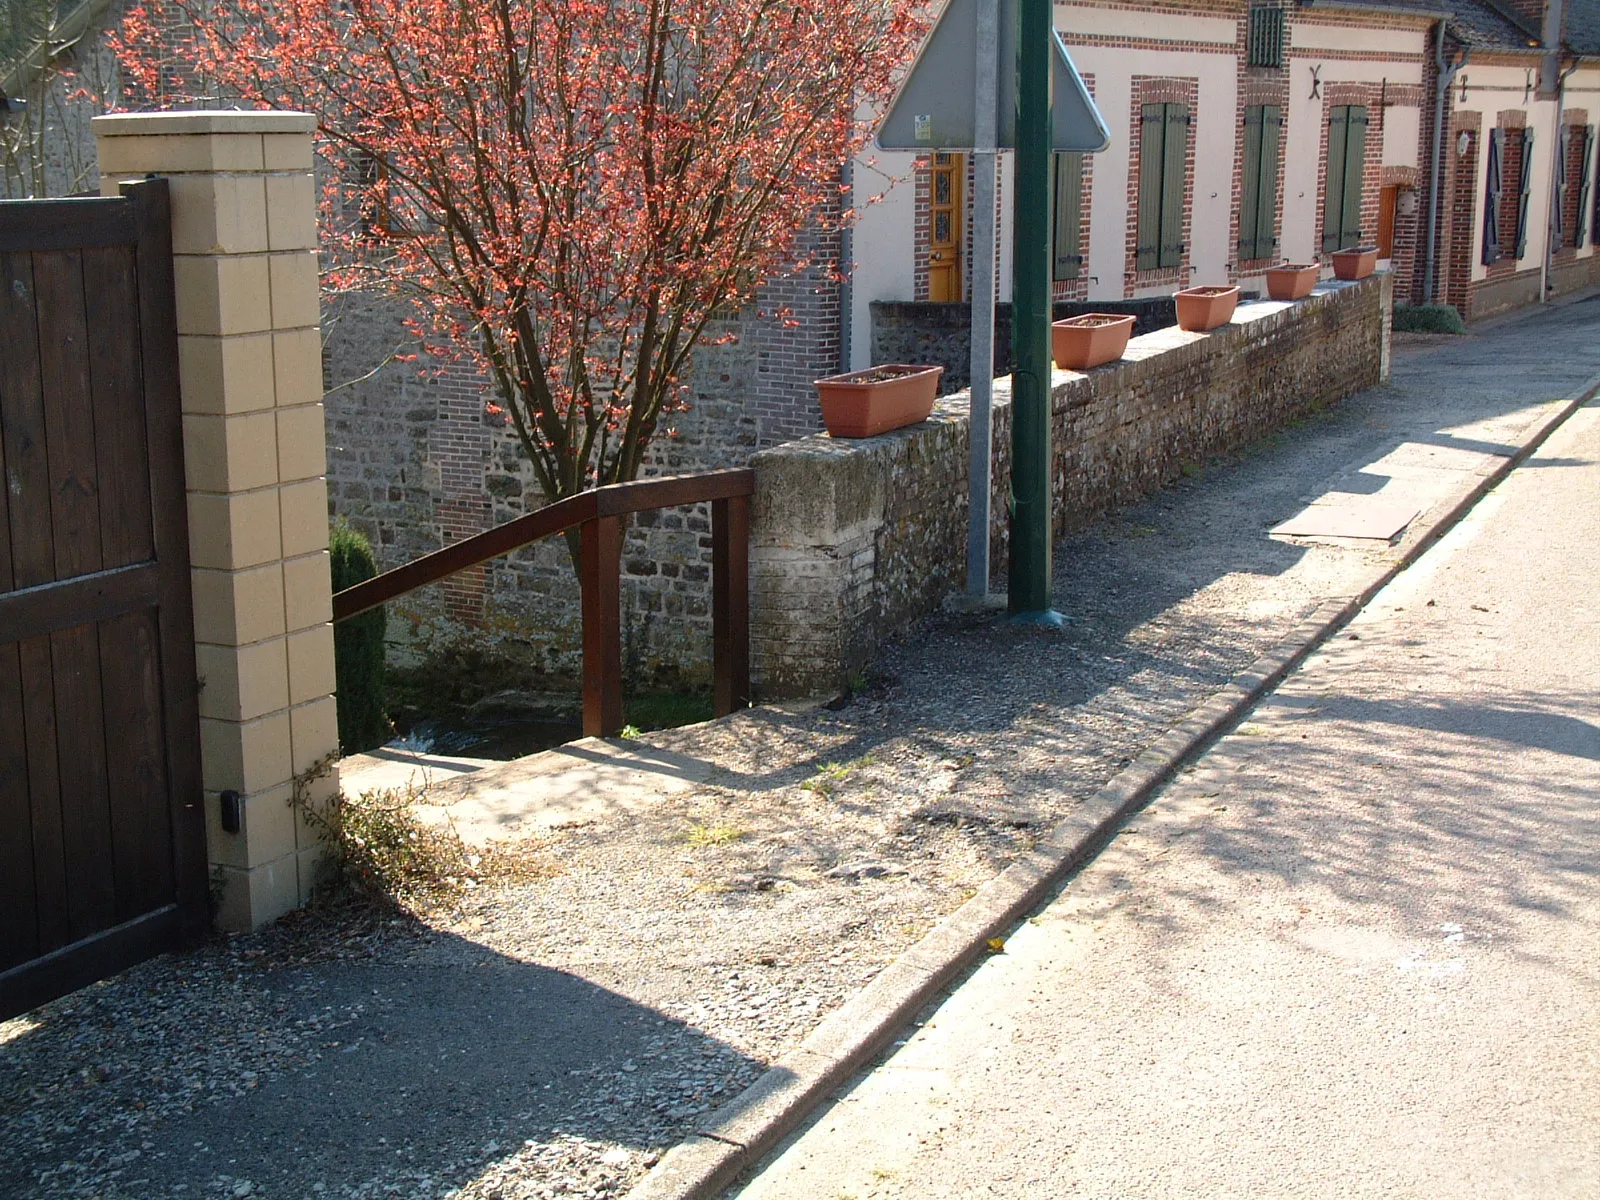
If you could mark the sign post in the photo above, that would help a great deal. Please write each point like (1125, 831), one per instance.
(994, 74)
(1029, 591)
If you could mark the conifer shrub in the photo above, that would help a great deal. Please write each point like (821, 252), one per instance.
(357, 647)
(1427, 318)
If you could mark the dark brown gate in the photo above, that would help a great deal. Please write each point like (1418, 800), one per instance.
(102, 835)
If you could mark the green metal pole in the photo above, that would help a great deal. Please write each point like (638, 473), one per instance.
(1029, 589)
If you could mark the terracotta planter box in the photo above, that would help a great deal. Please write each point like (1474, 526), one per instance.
(1293, 282)
(1355, 263)
(866, 403)
(1205, 308)
(1091, 340)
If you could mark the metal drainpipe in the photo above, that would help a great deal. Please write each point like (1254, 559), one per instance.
(1440, 91)
(847, 316)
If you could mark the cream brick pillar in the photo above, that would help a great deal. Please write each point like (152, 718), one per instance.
(250, 362)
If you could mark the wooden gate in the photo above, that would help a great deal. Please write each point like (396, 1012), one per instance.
(102, 834)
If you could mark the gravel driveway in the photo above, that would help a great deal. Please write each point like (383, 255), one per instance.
(555, 1038)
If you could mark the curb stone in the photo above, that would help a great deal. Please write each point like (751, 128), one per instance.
(741, 1132)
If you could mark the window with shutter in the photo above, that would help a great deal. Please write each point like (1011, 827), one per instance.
(1526, 167)
(1341, 197)
(1258, 202)
(1582, 222)
(1495, 180)
(1265, 37)
(1067, 211)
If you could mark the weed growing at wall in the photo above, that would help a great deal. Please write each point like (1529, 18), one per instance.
(1427, 318)
(381, 851)
(357, 647)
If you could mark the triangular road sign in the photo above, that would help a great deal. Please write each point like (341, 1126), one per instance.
(933, 109)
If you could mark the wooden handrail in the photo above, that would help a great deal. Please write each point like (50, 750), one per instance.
(598, 515)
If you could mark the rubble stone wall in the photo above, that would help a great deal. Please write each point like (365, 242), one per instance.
(852, 541)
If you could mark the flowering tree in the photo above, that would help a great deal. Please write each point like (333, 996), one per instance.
(570, 189)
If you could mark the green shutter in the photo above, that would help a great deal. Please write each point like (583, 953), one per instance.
(1066, 214)
(1333, 190)
(1172, 185)
(1355, 155)
(1494, 182)
(1582, 223)
(1525, 191)
(1267, 192)
(1250, 186)
(1152, 134)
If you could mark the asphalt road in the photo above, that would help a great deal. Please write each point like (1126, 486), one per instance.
(1353, 952)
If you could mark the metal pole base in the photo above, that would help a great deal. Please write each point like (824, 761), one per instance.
(1047, 618)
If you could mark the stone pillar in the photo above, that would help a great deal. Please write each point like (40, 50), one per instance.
(250, 364)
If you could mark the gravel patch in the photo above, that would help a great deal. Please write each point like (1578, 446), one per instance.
(553, 1039)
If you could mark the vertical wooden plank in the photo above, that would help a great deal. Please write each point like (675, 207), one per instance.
(75, 530)
(136, 774)
(730, 603)
(81, 760)
(44, 791)
(163, 414)
(22, 421)
(111, 303)
(601, 556)
(68, 413)
(19, 925)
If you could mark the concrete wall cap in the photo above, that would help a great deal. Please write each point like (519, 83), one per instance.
(159, 124)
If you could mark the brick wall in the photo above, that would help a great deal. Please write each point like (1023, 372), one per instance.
(853, 540)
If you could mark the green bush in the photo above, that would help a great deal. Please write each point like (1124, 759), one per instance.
(1427, 318)
(357, 648)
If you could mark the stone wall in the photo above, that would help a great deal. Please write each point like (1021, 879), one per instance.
(415, 460)
(853, 540)
(921, 331)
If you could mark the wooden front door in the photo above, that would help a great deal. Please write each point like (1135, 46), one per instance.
(1388, 198)
(949, 174)
(102, 834)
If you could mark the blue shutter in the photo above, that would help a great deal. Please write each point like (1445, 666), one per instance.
(1491, 199)
(1525, 192)
(1582, 223)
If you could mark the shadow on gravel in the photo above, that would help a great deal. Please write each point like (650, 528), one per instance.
(407, 1074)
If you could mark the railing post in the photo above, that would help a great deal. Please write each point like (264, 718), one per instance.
(601, 582)
(730, 603)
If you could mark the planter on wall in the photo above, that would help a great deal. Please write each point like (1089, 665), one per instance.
(1091, 340)
(866, 403)
(1292, 281)
(1205, 308)
(1356, 263)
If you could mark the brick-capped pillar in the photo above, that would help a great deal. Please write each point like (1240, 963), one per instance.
(250, 366)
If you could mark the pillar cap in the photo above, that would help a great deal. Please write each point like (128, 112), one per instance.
(158, 124)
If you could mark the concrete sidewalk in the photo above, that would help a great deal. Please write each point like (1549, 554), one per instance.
(1350, 953)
